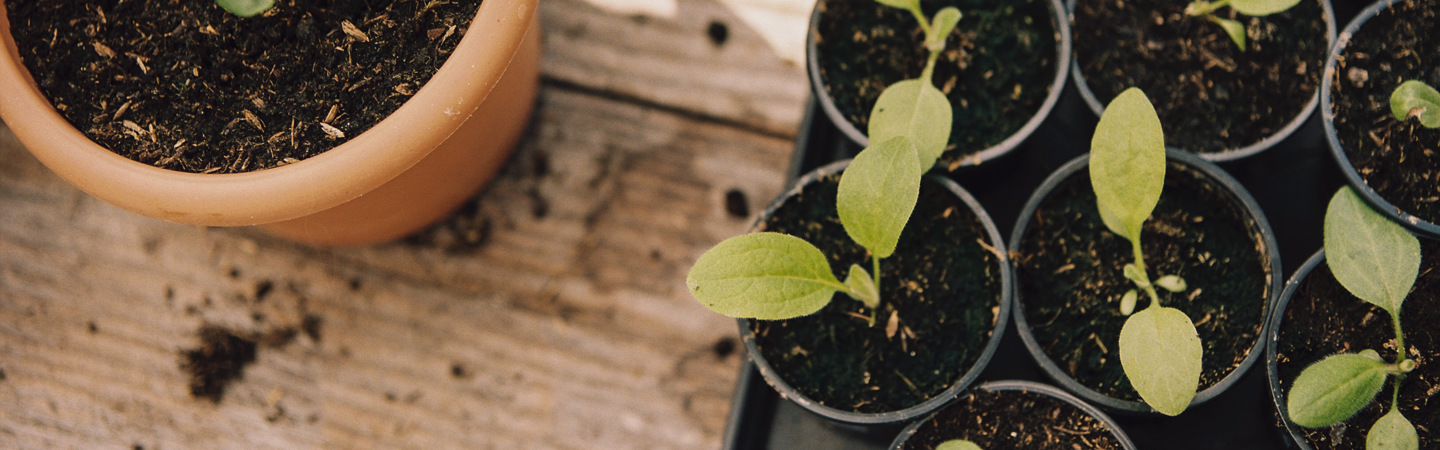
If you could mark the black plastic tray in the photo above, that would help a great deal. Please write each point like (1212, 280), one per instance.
(1292, 183)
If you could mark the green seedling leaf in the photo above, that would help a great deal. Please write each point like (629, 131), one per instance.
(913, 108)
(957, 444)
(902, 4)
(1415, 98)
(877, 193)
(1127, 163)
(1137, 275)
(1372, 256)
(1172, 283)
(1262, 7)
(1392, 432)
(767, 276)
(1127, 303)
(1160, 352)
(943, 23)
(245, 8)
(1234, 29)
(862, 286)
(1335, 388)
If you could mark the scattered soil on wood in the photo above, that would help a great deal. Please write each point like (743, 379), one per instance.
(1210, 95)
(1070, 272)
(941, 286)
(996, 68)
(1323, 319)
(1014, 419)
(1398, 159)
(183, 85)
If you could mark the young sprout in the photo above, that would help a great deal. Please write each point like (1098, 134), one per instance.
(1236, 30)
(245, 8)
(1416, 99)
(914, 107)
(957, 444)
(1376, 260)
(1159, 348)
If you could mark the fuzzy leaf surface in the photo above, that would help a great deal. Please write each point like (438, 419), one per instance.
(245, 8)
(862, 286)
(1372, 256)
(1262, 7)
(1334, 389)
(1392, 432)
(944, 23)
(877, 193)
(1415, 94)
(1160, 352)
(1127, 163)
(902, 4)
(957, 444)
(916, 109)
(767, 276)
(1234, 29)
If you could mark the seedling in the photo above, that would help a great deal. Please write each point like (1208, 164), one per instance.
(1416, 99)
(957, 444)
(1159, 347)
(245, 8)
(773, 276)
(1236, 30)
(1376, 260)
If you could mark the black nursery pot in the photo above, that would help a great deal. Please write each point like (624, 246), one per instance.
(1003, 69)
(1206, 228)
(946, 285)
(1393, 165)
(1188, 84)
(1316, 317)
(1016, 414)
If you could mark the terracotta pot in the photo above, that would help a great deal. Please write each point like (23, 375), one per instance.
(409, 170)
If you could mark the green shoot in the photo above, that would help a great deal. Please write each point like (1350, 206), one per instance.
(1159, 347)
(1376, 260)
(1416, 99)
(245, 8)
(914, 107)
(1233, 28)
(957, 444)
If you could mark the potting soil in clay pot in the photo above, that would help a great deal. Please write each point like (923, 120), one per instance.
(1396, 160)
(1320, 318)
(943, 297)
(1070, 277)
(1213, 99)
(1016, 415)
(1002, 67)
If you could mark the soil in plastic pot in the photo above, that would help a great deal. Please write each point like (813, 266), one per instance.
(1071, 281)
(1323, 318)
(996, 69)
(1397, 159)
(1210, 95)
(941, 287)
(1014, 419)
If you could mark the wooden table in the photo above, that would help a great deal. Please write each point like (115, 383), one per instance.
(551, 312)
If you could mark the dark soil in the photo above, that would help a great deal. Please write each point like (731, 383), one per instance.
(1071, 280)
(996, 69)
(1397, 159)
(1014, 419)
(1211, 97)
(221, 358)
(183, 85)
(941, 284)
(1323, 318)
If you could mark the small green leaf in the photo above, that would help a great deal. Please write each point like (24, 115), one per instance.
(957, 444)
(943, 23)
(913, 108)
(1136, 275)
(1234, 29)
(1172, 283)
(767, 276)
(862, 286)
(1160, 352)
(1392, 432)
(1415, 98)
(1262, 7)
(1372, 256)
(1127, 163)
(902, 4)
(1127, 303)
(1334, 389)
(245, 8)
(877, 193)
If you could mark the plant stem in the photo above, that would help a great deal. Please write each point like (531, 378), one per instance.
(875, 272)
(1201, 7)
(1146, 286)
(924, 23)
(1400, 358)
(930, 67)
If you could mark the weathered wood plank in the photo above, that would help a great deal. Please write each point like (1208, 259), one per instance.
(567, 326)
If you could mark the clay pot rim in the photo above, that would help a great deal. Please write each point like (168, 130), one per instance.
(281, 193)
